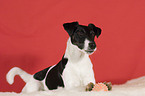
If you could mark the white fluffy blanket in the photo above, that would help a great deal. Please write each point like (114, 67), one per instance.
(135, 87)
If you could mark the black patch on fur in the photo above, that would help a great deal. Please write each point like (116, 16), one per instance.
(82, 33)
(79, 33)
(54, 79)
(97, 30)
(41, 74)
(70, 27)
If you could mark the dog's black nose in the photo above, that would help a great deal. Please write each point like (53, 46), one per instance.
(92, 45)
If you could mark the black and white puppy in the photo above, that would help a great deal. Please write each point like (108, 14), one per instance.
(75, 68)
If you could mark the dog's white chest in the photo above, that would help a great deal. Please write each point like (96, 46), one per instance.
(76, 74)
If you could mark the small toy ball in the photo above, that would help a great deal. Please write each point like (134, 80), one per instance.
(100, 87)
(106, 86)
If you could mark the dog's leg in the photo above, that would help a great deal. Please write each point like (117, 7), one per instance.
(89, 82)
(71, 80)
(88, 78)
(33, 86)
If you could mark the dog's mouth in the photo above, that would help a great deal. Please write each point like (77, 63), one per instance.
(89, 51)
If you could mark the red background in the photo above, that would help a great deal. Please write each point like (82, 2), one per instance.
(32, 36)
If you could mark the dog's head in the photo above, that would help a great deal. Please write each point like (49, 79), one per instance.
(83, 36)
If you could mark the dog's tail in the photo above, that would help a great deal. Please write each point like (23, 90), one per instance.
(17, 71)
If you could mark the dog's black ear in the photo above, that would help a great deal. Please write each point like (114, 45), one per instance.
(95, 29)
(70, 27)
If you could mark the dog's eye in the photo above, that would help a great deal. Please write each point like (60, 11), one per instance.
(92, 33)
(80, 33)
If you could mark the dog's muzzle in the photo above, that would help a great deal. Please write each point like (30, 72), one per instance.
(92, 45)
(91, 48)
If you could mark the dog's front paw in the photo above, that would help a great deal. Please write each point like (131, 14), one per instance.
(89, 87)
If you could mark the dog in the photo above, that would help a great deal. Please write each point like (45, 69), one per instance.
(74, 69)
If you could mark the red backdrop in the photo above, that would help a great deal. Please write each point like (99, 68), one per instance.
(32, 36)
